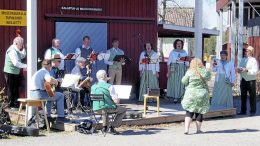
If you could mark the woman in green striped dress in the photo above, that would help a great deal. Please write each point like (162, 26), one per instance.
(149, 70)
(176, 70)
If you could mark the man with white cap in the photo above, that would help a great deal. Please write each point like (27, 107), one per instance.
(248, 69)
(109, 104)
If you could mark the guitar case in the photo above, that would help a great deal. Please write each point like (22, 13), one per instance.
(20, 131)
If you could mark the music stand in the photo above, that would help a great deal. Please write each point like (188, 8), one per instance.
(67, 59)
(126, 58)
(70, 83)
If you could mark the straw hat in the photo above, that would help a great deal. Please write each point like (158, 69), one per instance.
(56, 57)
(102, 75)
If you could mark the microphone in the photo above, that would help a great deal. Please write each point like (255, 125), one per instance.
(137, 34)
(146, 54)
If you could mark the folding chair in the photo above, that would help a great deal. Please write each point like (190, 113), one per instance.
(100, 97)
(96, 97)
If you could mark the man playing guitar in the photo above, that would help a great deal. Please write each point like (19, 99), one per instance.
(39, 91)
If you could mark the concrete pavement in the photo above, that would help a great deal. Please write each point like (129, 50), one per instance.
(232, 131)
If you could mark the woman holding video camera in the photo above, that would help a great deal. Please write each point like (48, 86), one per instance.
(224, 81)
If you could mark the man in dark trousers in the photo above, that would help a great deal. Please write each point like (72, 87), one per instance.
(14, 54)
(248, 69)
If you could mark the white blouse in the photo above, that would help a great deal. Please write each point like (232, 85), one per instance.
(175, 56)
(153, 66)
(228, 69)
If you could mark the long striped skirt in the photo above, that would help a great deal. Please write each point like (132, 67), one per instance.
(175, 89)
(222, 93)
(147, 80)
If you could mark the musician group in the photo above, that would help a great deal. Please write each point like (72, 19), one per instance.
(52, 72)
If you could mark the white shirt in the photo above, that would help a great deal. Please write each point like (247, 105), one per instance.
(78, 51)
(38, 78)
(229, 71)
(76, 71)
(14, 57)
(108, 53)
(251, 65)
(48, 55)
(153, 66)
(175, 56)
(112, 91)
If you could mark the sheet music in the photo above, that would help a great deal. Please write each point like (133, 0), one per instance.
(123, 91)
(70, 81)
(70, 56)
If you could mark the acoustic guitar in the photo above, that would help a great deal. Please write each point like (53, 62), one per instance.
(50, 89)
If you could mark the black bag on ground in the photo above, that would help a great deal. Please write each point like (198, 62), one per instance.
(4, 116)
(33, 122)
(85, 127)
(19, 130)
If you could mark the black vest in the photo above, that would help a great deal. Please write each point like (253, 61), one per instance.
(85, 52)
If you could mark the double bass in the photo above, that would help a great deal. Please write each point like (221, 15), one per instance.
(87, 82)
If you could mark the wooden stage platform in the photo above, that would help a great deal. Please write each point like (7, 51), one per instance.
(169, 112)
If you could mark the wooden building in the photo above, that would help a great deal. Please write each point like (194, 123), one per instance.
(251, 24)
(132, 21)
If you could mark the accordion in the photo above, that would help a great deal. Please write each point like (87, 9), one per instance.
(153, 92)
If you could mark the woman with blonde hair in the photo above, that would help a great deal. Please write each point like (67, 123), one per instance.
(196, 98)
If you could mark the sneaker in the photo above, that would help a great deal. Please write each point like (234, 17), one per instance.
(113, 131)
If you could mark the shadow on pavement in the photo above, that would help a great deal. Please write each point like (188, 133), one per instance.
(148, 131)
(233, 131)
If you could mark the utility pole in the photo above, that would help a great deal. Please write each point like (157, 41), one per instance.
(198, 29)
(31, 44)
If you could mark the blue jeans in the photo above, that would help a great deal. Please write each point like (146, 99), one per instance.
(59, 98)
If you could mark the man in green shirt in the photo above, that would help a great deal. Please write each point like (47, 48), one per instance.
(109, 104)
